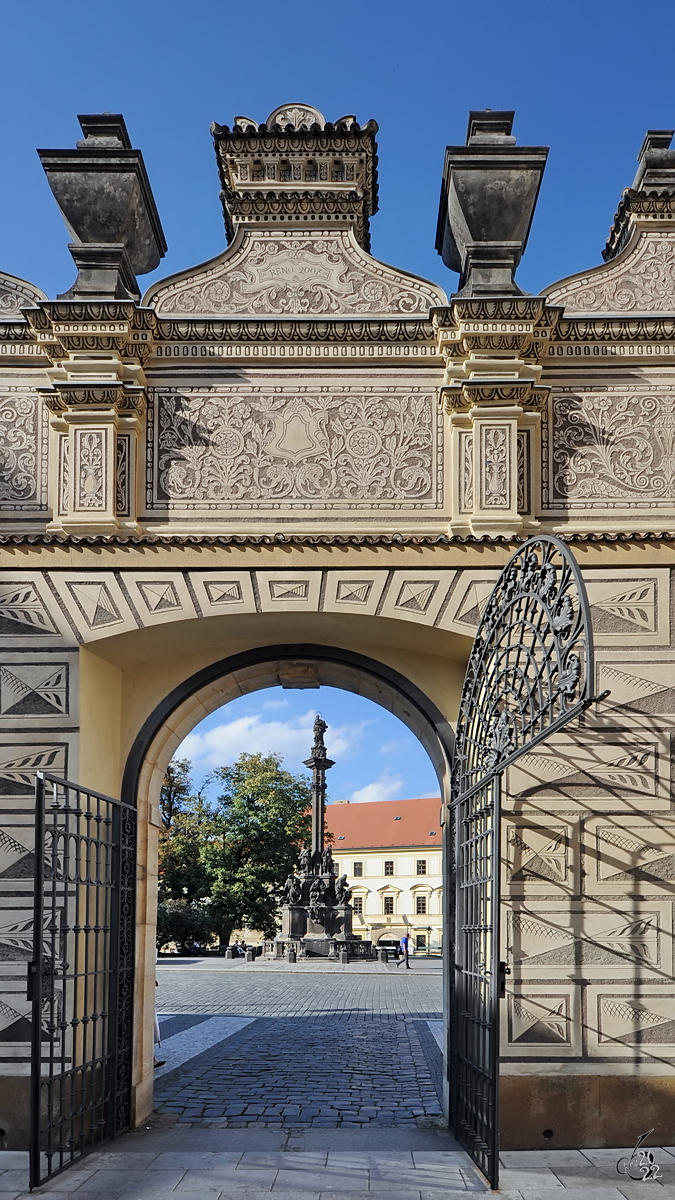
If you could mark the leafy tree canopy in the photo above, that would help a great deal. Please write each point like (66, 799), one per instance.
(234, 854)
(262, 820)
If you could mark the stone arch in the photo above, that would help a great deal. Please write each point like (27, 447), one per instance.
(295, 666)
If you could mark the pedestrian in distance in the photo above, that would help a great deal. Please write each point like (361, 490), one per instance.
(403, 952)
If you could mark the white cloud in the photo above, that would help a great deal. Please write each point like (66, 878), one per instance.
(252, 733)
(386, 788)
(273, 705)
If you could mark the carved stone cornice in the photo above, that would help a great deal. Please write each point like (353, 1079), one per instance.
(416, 329)
(123, 398)
(504, 324)
(326, 208)
(64, 327)
(614, 329)
(474, 393)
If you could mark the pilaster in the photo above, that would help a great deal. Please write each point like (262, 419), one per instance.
(492, 393)
(97, 404)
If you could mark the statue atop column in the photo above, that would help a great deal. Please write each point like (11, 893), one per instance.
(317, 916)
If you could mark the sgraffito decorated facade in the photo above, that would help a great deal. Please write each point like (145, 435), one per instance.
(295, 446)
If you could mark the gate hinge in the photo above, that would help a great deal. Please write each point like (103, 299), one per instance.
(503, 972)
(32, 976)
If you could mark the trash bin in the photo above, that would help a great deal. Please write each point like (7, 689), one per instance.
(382, 955)
(291, 956)
(344, 956)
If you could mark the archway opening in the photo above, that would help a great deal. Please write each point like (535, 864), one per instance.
(286, 669)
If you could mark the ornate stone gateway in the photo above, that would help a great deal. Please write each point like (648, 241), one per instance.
(530, 673)
(296, 465)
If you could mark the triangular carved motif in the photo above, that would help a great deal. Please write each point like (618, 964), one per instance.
(17, 774)
(22, 611)
(227, 592)
(416, 595)
(23, 693)
(289, 589)
(354, 591)
(632, 606)
(160, 596)
(96, 604)
(633, 1023)
(533, 1024)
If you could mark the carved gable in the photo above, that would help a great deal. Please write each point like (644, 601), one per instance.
(640, 280)
(278, 273)
(15, 294)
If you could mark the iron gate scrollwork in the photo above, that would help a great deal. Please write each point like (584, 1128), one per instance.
(529, 673)
(81, 976)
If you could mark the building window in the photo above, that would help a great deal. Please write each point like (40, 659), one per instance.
(388, 906)
(421, 941)
(421, 866)
(389, 866)
(421, 905)
(336, 868)
(357, 905)
(358, 868)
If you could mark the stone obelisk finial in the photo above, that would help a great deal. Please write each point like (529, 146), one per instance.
(319, 762)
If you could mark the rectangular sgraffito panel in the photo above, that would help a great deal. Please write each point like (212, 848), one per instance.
(233, 447)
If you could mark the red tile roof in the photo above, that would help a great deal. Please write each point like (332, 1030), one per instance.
(361, 826)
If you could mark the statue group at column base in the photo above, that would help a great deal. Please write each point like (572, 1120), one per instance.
(316, 921)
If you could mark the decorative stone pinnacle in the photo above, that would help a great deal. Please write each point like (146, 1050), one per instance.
(298, 171)
(104, 194)
(651, 197)
(489, 192)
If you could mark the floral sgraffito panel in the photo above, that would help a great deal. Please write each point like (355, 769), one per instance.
(23, 465)
(230, 447)
(609, 448)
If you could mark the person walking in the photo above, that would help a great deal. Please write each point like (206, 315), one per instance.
(403, 952)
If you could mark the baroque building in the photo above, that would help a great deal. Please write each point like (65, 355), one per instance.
(294, 464)
(391, 853)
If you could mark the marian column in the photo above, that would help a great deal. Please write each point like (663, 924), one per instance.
(316, 919)
(319, 763)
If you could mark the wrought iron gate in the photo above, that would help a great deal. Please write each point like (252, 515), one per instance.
(530, 672)
(81, 977)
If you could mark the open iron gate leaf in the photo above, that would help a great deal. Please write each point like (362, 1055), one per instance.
(80, 980)
(530, 672)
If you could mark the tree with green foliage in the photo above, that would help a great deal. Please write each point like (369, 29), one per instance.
(222, 866)
(186, 824)
(261, 822)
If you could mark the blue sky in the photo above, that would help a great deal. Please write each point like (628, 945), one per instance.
(586, 78)
(376, 756)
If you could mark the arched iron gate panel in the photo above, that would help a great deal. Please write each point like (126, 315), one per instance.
(530, 672)
(81, 977)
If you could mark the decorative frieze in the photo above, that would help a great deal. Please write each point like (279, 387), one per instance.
(242, 447)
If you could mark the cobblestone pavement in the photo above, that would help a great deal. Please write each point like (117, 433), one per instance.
(317, 1072)
(265, 990)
